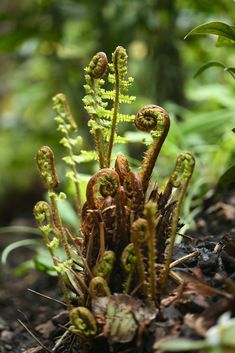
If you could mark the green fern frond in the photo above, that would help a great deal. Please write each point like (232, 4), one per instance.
(86, 156)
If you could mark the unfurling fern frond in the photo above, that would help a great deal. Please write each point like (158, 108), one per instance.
(105, 116)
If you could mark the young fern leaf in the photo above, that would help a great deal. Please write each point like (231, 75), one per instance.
(46, 166)
(66, 124)
(179, 179)
(117, 77)
(93, 101)
(103, 120)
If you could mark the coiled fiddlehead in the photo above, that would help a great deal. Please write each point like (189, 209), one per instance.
(105, 265)
(61, 107)
(83, 321)
(128, 261)
(98, 287)
(122, 167)
(139, 237)
(44, 218)
(134, 191)
(46, 166)
(104, 183)
(98, 65)
(180, 179)
(154, 119)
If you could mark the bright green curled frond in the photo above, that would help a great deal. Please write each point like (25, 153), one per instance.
(43, 216)
(183, 168)
(98, 287)
(105, 265)
(61, 107)
(46, 166)
(83, 321)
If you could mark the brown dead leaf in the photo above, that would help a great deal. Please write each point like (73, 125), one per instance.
(122, 315)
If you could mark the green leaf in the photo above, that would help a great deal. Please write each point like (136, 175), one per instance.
(222, 42)
(180, 345)
(217, 28)
(230, 70)
(208, 65)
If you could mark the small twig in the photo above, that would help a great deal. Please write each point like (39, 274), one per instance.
(71, 345)
(184, 259)
(60, 340)
(176, 277)
(46, 296)
(34, 337)
(185, 236)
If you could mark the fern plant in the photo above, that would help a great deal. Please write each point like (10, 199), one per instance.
(115, 271)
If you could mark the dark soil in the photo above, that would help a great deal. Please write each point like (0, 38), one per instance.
(206, 283)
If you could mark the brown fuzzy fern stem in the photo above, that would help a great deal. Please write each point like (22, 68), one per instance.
(101, 185)
(154, 119)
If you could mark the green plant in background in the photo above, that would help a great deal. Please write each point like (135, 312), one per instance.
(118, 264)
(225, 151)
(226, 36)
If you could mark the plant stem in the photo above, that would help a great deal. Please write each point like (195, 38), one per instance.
(115, 109)
(173, 235)
(58, 222)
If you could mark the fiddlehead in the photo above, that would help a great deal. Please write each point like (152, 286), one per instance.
(98, 65)
(154, 119)
(122, 167)
(98, 287)
(46, 166)
(61, 107)
(47, 170)
(133, 188)
(128, 261)
(44, 218)
(83, 321)
(101, 185)
(105, 265)
(180, 179)
(139, 237)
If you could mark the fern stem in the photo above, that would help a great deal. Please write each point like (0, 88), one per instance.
(97, 135)
(59, 225)
(180, 179)
(115, 107)
(150, 210)
(78, 200)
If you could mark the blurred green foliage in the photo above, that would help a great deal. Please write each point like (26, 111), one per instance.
(45, 45)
